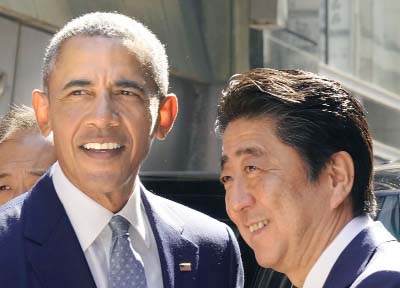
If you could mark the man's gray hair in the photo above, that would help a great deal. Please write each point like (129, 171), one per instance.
(17, 119)
(138, 38)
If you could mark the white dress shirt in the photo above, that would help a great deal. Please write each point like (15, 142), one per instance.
(90, 222)
(320, 271)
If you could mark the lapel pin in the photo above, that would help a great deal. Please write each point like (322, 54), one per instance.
(185, 267)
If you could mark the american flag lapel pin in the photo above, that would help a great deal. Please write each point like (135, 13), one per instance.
(185, 267)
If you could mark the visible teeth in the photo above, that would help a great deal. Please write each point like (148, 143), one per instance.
(256, 226)
(101, 146)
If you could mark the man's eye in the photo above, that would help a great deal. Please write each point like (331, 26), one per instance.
(225, 179)
(79, 92)
(5, 187)
(126, 93)
(250, 168)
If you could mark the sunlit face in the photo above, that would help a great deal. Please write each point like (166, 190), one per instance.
(24, 157)
(100, 111)
(268, 194)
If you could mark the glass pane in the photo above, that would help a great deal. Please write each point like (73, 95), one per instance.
(364, 40)
(389, 213)
(8, 48)
(296, 46)
(32, 44)
(383, 122)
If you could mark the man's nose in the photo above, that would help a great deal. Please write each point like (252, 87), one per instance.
(104, 111)
(239, 196)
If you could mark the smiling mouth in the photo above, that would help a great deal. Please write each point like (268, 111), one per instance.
(101, 147)
(257, 226)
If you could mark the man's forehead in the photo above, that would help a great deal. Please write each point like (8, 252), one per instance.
(253, 150)
(132, 61)
(24, 144)
(19, 135)
(77, 42)
(81, 43)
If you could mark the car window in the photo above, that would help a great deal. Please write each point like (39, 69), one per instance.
(389, 211)
(387, 178)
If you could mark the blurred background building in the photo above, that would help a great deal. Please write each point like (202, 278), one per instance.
(356, 42)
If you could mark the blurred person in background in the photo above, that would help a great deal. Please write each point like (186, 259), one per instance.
(297, 169)
(25, 155)
(89, 222)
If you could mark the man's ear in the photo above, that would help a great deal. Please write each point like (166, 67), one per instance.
(167, 114)
(341, 172)
(40, 103)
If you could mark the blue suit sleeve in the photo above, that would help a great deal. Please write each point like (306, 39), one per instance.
(387, 279)
(236, 267)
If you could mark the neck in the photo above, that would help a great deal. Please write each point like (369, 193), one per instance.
(113, 201)
(315, 244)
(111, 194)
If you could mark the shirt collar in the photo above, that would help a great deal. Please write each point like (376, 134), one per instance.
(134, 212)
(320, 271)
(88, 218)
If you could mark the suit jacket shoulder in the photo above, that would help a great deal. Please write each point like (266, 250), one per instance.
(371, 257)
(383, 267)
(10, 214)
(193, 220)
(38, 246)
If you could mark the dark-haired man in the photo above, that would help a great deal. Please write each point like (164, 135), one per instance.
(297, 168)
(89, 222)
(25, 155)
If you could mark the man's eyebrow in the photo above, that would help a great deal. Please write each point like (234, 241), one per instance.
(77, 83)
(129, 84)
(252, 151)
(4, 175)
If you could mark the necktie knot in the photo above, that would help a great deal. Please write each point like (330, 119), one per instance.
(119, 226)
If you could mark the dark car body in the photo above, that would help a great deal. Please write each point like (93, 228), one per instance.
(205, 193)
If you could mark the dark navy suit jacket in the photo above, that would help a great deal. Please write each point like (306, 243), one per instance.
(371, 260)
(39, 248)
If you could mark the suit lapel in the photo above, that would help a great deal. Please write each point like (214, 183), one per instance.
(173, 247)
(51, 245)
(354, 259)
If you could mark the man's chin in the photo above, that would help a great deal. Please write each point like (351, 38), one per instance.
(265, 262)
(106, 183)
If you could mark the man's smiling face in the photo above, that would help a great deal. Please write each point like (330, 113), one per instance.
(268, 194)
(99, 109)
